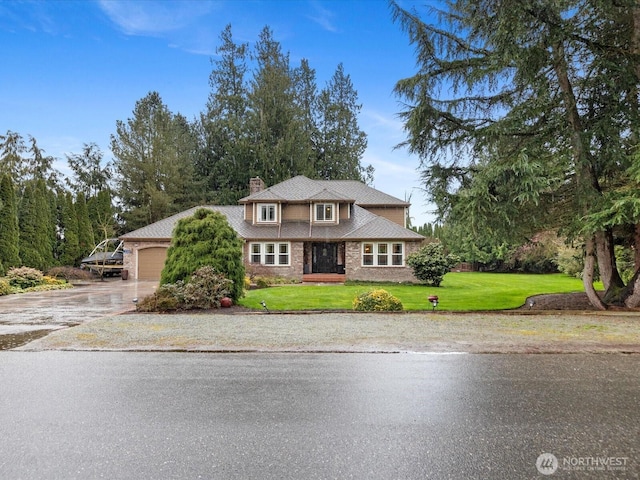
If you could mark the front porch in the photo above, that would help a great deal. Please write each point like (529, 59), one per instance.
(323, 278)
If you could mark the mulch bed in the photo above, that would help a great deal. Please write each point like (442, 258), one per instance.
(558, 301)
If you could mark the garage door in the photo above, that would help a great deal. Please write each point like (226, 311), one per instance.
(150, 262)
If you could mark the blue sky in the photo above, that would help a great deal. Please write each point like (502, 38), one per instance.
(70, 69)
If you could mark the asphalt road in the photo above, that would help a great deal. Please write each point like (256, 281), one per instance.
(84, 415)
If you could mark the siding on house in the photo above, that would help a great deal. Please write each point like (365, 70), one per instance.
(395, 214)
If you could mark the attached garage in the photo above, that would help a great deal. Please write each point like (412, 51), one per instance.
(150, 262)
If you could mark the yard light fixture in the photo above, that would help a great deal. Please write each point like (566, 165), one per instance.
(433, 300)
(264, 305)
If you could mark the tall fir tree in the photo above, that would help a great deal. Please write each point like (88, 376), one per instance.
(69, 249)
(86, 240)
(9, 232)
(525, 116)
(275, 120)
(12, 157)
(101, 216)
(28, 221)
(225, 161)
(154, 157)
(341, 143)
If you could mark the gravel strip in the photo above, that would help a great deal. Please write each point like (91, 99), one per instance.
(354, 332)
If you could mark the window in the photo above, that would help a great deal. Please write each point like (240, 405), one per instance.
(267, 212)
(270, 254)
(382, 254)
(397, 258)
(255, 253)
(283, 256)
(367, 254)
(324, 212)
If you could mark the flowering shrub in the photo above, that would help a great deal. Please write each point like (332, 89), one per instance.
(25, 277)
(377, 301)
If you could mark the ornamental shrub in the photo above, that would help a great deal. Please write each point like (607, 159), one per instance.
(377, 301)
(206, 288)
(430, 264)
(25, 277)
(162, 300)
(203, 290)
(5, 288)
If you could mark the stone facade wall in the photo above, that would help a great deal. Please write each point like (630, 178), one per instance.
(355, 270)
(294, 271)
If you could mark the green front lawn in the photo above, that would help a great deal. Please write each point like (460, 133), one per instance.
(458, 292)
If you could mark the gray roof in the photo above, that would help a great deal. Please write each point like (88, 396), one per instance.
(363, 225)
(301, 188)
(162, 229)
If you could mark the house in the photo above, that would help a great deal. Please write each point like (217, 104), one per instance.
(303, 229)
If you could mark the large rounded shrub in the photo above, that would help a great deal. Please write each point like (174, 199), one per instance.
(25, 277)
(430, 264)
(205, 239)
(377, 301)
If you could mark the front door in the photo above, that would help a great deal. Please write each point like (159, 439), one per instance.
(325, 257)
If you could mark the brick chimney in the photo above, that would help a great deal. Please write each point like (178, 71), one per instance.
(255, 185)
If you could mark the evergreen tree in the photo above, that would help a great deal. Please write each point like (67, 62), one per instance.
(525, 115)
(101, 216)
(28, 221)
(341, 143)
(205, 239)
(90, 175)
(12, 161)
(225, 161)
(306, 101)
(86, 240)
(69, 244)
(154, 160)
(46, 220)
(40, 167)
(275, 121)
(9, 232)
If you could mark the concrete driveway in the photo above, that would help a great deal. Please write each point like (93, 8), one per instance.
(28, 316)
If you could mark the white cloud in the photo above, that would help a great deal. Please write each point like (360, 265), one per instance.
(154, 17)
(322, 17)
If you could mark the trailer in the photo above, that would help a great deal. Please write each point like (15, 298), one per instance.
(106, 259)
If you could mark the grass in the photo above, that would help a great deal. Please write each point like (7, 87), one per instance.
(458, 292)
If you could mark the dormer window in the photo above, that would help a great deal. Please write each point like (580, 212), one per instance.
(267, 213)
(325, 212)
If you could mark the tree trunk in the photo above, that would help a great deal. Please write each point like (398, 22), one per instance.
(613, 284)
(587, 276)
(631, 294)
(636, 242)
